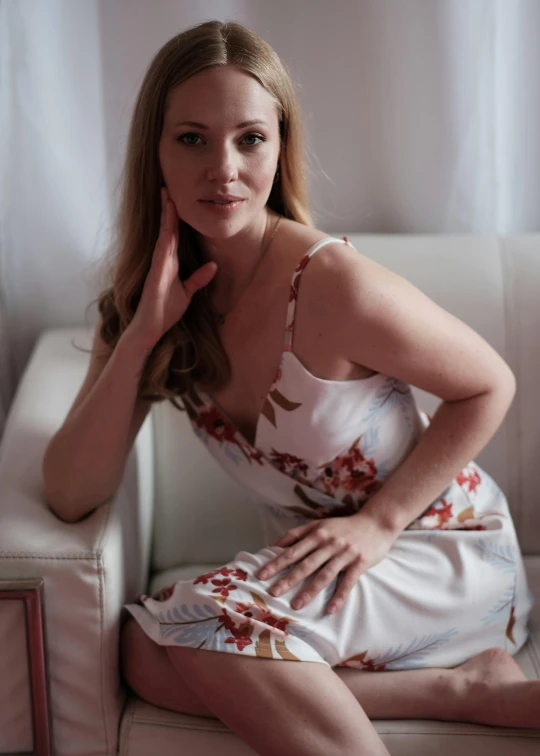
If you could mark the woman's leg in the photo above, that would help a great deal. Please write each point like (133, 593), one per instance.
(278, 706)
(149, 672)
(490, 688)
(269, 703)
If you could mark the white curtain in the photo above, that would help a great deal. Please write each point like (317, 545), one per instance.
(420, 116)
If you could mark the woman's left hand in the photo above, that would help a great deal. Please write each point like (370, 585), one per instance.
(352, 544)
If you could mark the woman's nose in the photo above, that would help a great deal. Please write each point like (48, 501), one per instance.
(222, 166)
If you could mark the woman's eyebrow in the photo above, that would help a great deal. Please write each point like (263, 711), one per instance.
(203, 126)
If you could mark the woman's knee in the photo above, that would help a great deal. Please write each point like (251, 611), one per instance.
(149, 672)
(139, 655)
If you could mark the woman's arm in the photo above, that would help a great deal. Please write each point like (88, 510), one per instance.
(84, 461)
(383, 322)
(458, 431)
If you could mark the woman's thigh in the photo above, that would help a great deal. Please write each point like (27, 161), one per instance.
(279, 706)
(318, 712)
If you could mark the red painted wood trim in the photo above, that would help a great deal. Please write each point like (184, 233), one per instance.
(30, 591)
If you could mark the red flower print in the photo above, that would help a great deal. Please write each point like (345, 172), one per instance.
(210, 420)
(219, 427)
(240, 635)
(370, 666)
(289, 464)
(442, 510)
(360, 662)
(279, 623)
(298, 270)
(261, 614)
(223, 587)
(352, 473)
(256, 455)
(241, 608)
(164, 593)
(241, 643)
(472, 527)
(473, 479)
(228, 622)
(220, 571)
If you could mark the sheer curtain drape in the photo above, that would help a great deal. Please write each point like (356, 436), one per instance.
(421, 116)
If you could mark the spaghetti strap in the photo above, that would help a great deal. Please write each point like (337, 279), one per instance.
(295, 282)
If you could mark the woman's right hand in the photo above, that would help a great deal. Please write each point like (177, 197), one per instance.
(165, 297)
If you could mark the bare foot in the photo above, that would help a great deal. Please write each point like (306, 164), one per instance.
(493, 690)
(493, 666)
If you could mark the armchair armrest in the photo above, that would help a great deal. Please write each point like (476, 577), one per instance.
(89, 569)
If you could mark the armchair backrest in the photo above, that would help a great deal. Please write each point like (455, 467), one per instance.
(492, 284)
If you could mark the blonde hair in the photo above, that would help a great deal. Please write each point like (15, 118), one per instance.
(191, 350)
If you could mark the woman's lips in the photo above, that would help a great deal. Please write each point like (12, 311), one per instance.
(223, 208)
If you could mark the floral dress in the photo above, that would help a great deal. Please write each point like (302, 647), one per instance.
(452, 584)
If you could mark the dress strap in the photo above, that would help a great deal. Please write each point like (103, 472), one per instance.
(295, 283)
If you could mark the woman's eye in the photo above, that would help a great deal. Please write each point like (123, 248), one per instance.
(181, 138)
(247, 136)
(257, 136)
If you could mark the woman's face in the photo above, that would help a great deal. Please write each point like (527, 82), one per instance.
(214, 154)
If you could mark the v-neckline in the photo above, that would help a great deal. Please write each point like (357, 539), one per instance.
(233, 425)
(278, 376)
(288, 349)
(209, 400)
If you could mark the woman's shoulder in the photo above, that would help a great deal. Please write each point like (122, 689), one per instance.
(333, 259)
(298, 238)
(332, 267)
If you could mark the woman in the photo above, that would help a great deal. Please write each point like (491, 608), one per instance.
(303, 395)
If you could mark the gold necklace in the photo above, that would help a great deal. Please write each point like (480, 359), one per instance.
(222, 315)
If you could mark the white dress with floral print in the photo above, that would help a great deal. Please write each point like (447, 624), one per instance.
(452, 585)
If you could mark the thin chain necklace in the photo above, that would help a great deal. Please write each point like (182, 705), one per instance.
(222, 315)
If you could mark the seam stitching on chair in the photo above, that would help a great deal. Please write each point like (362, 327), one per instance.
(36, 555)
(501, 732)
(512, 734)
(128, 735)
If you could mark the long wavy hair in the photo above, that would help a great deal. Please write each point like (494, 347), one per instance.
(191, 351)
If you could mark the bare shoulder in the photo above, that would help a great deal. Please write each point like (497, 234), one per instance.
(298, 238)
(380, 320)
(331, 267)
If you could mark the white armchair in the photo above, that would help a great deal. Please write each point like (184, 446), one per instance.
(176, 514)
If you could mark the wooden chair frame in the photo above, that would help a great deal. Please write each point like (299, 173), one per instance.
(31, 592)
